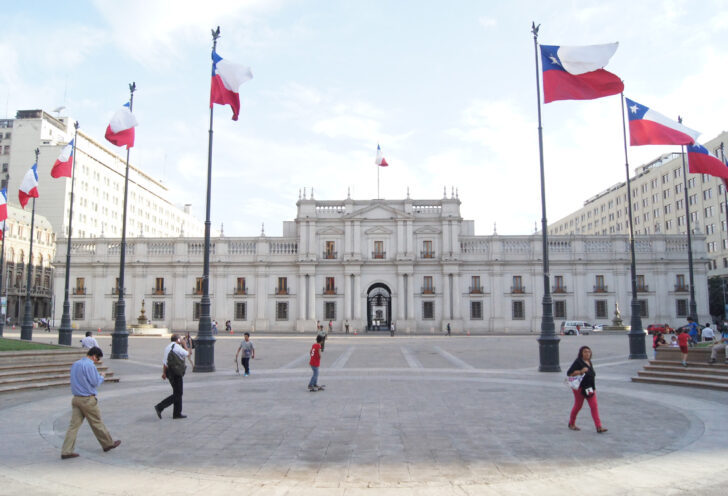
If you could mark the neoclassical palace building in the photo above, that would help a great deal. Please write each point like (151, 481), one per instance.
(415, 263)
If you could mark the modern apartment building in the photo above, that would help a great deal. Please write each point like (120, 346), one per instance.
(658, 206)
(99, 186)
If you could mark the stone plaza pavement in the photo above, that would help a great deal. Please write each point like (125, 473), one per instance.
(429, 415)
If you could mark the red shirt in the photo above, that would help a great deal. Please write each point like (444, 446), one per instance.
(315, 355)
(683, 338)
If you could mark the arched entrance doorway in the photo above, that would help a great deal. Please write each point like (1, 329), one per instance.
(379, 307)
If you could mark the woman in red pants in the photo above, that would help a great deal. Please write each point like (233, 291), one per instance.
(587, 390)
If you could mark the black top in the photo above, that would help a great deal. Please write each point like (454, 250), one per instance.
(588, 380)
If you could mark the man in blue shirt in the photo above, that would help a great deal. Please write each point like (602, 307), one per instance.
(84, 381)
(693, 331)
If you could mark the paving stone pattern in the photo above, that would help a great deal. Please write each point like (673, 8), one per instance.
(403, 415)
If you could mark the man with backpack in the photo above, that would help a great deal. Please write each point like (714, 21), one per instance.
(173, 369)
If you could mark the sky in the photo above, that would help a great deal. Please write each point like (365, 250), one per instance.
(448, 89)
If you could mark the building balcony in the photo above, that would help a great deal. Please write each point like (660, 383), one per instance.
(380, 255)
(282, 291)
(428, 289)
(115, 291)
(330, 291)
(427, 254)
(239, 290)
(330, 255)
(643, 288)
(197, 291)
(558, 289)
(682, 288)
(476, 289)
(518, 289)
(601, 289)
(79, 291)
(159, 291)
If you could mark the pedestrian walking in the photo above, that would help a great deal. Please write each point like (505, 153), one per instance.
(587, 389)
(189, 344)
(391, 329)
(322, 335)
(89, 341)
(176, 347)
(448, 328)
(331, 326)
(214, 327)
(228, 327)
(707, 334)
(246, 346)
(315, 363)
(693, 331)
(346, 326)
(85, 378)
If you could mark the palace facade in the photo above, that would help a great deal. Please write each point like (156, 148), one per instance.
(413, 263)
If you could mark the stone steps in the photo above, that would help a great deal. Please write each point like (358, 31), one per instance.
(24, 370)
(668, 370)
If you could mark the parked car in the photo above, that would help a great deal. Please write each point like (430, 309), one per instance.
(663, 328)
(575, 327)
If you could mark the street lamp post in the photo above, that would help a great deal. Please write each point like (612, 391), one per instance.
(205, 341)
(548, 342)
(120, 336)
(65, 331)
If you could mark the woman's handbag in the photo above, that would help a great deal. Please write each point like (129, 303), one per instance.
(574, 382)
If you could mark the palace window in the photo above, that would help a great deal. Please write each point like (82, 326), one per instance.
(159, 286)
(644, 310)
(427, 249)
(600, 309)
(241, 310)
(198, 286)
(427, 286)
(378, 250)
(641, 286)
(79, 310)
(330, 250)
(428, 310)
(517, 286)
(517, 310)
(476, 310)
(196, 309)
(282, 310)
(680, 283)
(282, 289)
(240, 288)
(559, 284)
(475, 287)
(80, 288)
(330, 310)
(559, 309)
(158, 310)
(330, 287)
(681, 307)
(599, 286)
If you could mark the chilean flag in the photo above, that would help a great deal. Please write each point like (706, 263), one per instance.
(701, 161)
(62, 167)
(3, 204)
(576, 72)
(120, 130)
(380, 160)
(647, 127)
(28, 186)
(226, 79)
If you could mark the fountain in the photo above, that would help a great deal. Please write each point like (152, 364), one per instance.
(144, 328)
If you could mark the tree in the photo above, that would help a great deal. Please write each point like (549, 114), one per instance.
(716, 297)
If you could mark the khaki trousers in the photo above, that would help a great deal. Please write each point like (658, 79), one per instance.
(86, 407)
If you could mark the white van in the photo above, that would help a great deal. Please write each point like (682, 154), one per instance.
(576, 327)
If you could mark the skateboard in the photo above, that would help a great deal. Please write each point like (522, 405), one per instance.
(237, 367)
(317, 388)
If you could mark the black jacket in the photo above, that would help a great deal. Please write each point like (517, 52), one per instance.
(588, 380)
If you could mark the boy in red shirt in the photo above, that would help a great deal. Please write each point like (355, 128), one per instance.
(682, 340)
(315, 362)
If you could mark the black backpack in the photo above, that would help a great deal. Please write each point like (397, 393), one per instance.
(175, 364)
